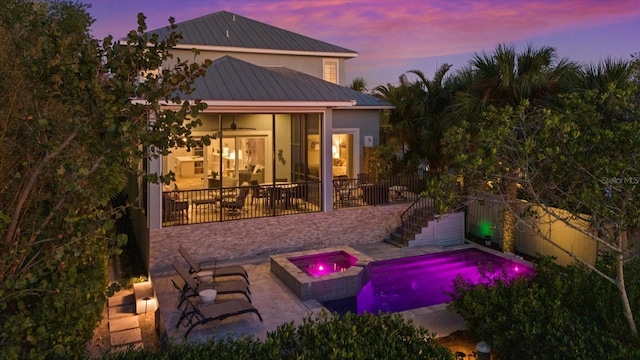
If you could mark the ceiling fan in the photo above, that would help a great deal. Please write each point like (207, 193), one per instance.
(233, 126)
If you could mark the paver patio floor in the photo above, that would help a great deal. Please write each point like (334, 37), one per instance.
(278, 305)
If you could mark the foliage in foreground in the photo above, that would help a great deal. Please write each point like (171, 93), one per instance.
(70, 136)
(560, 313)
(325, 336)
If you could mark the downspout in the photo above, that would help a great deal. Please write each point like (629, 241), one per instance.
(273, 148)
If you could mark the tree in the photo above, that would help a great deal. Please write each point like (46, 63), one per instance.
(359, 84)
(71, 134)
(418, 121)
(507, 79)
(579, 155)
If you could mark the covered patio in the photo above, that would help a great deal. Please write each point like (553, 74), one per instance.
(283, 132)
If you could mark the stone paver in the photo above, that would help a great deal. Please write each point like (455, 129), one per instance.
(124, 323)
(123, 297)
(126, 337)
(119, 311)
(279, 305)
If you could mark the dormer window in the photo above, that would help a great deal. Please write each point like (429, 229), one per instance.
(330, 70)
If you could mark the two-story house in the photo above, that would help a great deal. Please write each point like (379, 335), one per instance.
(284, 122)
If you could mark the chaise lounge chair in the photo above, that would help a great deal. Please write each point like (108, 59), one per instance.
(193, 286)
(217, 271)
(198, 314)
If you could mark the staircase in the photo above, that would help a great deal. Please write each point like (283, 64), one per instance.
(412, 221)
(124, 327)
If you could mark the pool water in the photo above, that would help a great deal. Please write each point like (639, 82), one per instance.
(419, 281)
(324, 263)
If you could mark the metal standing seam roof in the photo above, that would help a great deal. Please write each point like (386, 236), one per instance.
(225, 29)
(232, 79)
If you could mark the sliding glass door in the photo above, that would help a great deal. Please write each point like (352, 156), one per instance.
(239, 160)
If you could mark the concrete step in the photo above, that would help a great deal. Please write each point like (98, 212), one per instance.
(125, 337)
(124, 323)
(120, 311)
(121, 298)
(394, 243)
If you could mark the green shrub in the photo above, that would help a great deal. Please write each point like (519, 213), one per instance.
(559, 313)
(325, 336)
(329, 336)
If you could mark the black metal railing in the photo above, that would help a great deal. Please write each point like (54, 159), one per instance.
(366, 190)
(416, 217)
(284, 198)
(239, 202)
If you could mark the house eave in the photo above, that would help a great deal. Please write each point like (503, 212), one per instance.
(249, 106)
(227, 49)
(381, 107)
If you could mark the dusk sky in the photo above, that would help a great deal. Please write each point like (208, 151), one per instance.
(392, 37)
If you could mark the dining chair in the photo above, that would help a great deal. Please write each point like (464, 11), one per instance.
(234, 207)
(343, 189)
(257, 192)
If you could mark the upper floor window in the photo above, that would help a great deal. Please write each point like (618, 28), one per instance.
(330, 72)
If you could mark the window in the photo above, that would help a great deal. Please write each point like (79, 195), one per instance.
(330, 72)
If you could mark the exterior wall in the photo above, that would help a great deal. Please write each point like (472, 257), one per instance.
(530, 242)
(488, 217)
(448, 230)
(310, 65)
(251, 239)
(368, 121)
(483, 218)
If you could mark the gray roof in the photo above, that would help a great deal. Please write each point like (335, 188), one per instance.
(212, 30)
(231, 79)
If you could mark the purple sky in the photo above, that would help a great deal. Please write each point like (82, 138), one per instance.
(392, 37)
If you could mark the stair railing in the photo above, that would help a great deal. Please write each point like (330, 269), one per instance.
(408, 219)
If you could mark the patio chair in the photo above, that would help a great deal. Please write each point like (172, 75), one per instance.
(343, 189)
(257, 192)
(199, 314)
(299, 193)
(216, 271)
(174, 207)
(235, 206)
(192, 286)
(275, 195)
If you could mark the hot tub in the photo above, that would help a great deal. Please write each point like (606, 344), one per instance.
(325, 274)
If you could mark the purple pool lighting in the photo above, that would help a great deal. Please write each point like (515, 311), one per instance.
(324, 263)
(419, 281)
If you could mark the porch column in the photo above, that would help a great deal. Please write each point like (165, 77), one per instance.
(154, 194)
(154, 191)
(326, 168)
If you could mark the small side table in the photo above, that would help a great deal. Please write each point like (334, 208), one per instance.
(208, 296)
(205, 276)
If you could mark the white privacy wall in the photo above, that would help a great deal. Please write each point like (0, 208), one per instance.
(532, 230)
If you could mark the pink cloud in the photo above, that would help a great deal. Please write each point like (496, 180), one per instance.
(399, 33)
(407, 29)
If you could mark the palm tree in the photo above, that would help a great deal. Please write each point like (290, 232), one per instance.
(601, 78)
(506, 78)
(359, 84)
(417, 122)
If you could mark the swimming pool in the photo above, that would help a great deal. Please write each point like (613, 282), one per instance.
(419, 281)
